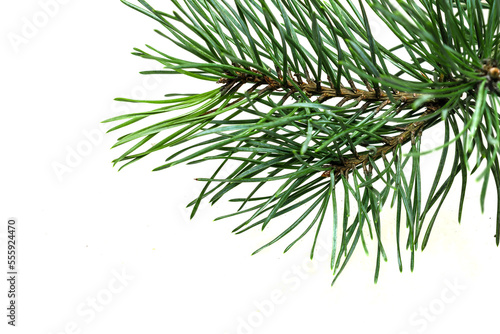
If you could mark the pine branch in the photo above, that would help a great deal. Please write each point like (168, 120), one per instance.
(323, 93)
(288, 110)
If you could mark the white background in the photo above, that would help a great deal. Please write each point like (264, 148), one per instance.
(80, 229)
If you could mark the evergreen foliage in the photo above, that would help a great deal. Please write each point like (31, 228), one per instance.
(305, 97)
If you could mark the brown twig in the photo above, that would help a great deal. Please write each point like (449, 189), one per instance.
(346, 166)
(312, 88)
(369, 96)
